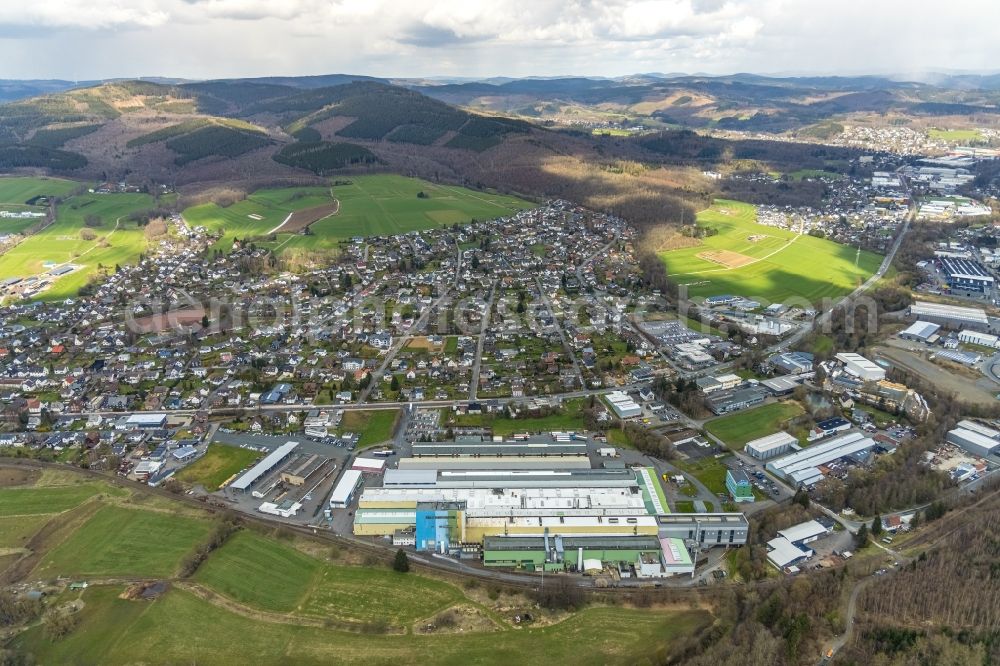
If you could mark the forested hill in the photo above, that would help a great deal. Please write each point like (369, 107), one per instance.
(155, 127)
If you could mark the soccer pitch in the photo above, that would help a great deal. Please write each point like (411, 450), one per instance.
(775, 264)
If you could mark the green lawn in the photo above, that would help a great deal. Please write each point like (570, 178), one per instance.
(684, 506)
(119, 541)
(735, 430)
(374, 426)
(710, 471)
(18, 190)
(375, 205)
(570, 417)
(370, 594)
(180, 628)
(955, 135)
(16, 530)
(272, 206)
(259, 572)
(61, 242)
(787, 265)
(36, 501)
(218, 464)
(274, 576)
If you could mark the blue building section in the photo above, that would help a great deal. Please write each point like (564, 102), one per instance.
(438, 525)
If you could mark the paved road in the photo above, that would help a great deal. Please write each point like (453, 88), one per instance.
(418, 327)
(477, 364)
(823, 318)
(559, 329)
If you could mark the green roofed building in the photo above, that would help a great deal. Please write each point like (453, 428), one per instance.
(559, 553)
(739, 486)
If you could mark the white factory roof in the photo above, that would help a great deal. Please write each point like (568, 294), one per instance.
(921, 329)
(802, 466)
(976, 438)
(145, 419)
(531, 522)
(979, 428)
(783, 552)
(859, 361)
(264, 466)
(924, 309)
(369, 464)
(772, 441)
(410, 477)
(348, 482)
(806, 530)
(512, 500)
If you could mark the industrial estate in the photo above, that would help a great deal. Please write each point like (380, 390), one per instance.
(660, 369)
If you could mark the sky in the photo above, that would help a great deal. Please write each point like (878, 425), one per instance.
(203, 39)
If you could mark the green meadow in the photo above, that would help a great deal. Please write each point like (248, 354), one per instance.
(262, 599)
(116, 241)
(373, 205)
(786, 265)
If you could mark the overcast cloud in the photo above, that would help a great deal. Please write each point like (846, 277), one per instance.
(82, 39)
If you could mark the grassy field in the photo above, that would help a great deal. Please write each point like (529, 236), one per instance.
(376, 205)
(125, 542)
(180, 627)
(218, 464)
(735, 430)
(367, 595)
(18, 190)
(61, 243)
(16, 530)
(278, 601)
(36, 501)
(260, 572)
(374, 426)
(955, 135)
(710, 471)
(785, 265)
(271, 206)
(569, 418)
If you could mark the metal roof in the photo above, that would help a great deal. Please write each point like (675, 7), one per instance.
(264, 466)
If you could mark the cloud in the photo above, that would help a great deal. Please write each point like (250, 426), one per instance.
(221, 38)
(85, 15)
(429, 36)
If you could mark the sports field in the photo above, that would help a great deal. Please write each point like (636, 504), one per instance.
(218, 464)
(116, 241)
(375, 205)
(735, 430)
(765, 263)
(259, 599)
(955, 135)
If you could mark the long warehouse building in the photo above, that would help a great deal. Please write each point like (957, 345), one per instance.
(770, 446)
(802, 467)
(519, 478)
(951, 316)
(476, 453)
(264, 467)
